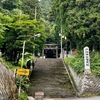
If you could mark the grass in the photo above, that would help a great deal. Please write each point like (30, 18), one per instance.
(89, 95)
(68, 86)
(22, 96)
(10, 65)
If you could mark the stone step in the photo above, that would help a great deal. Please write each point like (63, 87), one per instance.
(89, 98)
(50, 77)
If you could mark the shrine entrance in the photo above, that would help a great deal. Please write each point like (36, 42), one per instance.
(50, 51)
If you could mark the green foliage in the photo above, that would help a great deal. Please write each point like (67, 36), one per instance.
(27, 56)
(22, 96)
(47, 21)
(80, 21)
(10, 65)
(9, 4)
(45, 8)
(95, 63)
(28, 7)
(77, 62)
(25, 82)
(17, 27)
(2, 28)
(15, 30)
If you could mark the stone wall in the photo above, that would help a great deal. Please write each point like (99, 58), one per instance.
(85, 83)
(8, 90)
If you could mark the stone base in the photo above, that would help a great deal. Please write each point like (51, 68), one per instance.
(85, 83)
(30, 98)
(87, 71)
(89, 84)
(39, 96)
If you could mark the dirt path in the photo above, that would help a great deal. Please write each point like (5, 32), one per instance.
(50, 77)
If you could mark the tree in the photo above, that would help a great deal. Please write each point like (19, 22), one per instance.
(18, 30)
(3, 22)
(9, 4)
(45, 8)
(17, 24)
(30, 6)
(80, 21)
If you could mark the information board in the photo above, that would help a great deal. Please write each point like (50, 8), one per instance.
(22, 71)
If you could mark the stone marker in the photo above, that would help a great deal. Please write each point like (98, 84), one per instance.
(30, 98)
(87, 60)
(39, 96)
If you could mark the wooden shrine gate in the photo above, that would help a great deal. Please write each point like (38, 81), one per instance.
(50, 50)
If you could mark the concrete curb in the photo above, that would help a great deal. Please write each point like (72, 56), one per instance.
(89, 98)
(71, 80)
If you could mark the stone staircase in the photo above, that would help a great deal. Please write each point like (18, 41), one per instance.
(50, 77)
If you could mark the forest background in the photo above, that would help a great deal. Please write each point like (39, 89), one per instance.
(22, 19)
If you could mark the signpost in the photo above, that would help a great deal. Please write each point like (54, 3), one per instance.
(22, 71)
(86, 59)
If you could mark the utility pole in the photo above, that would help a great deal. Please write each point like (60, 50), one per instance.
(61, 39)
(19, 90)
(61, 33)
(35, 12)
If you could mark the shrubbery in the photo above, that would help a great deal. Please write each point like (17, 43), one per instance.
(77, 62)
(27, 57)
(25, 82)
(22, 96)
(95, 63)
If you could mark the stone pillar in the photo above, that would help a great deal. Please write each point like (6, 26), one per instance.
(56, 51)
(43, 53)
(39, 96)
(87, 60)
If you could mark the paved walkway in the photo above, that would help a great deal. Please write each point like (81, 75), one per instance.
(90, 98)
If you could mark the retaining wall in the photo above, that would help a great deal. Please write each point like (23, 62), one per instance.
(85, 83)
(8, 90)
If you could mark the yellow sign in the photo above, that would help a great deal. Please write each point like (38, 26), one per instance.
(22, 71)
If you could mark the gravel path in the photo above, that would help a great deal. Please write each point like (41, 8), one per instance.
(50, 77)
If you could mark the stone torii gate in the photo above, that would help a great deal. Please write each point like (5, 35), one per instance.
(50, 47)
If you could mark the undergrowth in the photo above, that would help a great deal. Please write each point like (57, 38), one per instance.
(77, 62)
